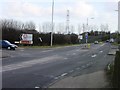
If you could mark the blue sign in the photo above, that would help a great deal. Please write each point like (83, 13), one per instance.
(86, 35)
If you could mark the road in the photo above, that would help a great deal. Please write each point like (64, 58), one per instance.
(31, 68)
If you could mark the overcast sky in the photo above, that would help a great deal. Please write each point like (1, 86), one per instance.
(39, 11)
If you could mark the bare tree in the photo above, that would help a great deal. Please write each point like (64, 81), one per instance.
(30, 26)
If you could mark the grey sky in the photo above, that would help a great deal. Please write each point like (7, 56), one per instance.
(39, 11)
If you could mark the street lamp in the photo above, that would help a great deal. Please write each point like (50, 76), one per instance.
(88, 22)
(86, 35)
(51, 43)
(118, 22)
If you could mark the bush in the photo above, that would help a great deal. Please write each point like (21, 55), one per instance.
(116, 71)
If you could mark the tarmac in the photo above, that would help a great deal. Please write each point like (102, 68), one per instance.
(93, 80)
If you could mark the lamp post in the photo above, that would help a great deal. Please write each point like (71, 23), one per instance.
(118, 22)
(51, 43)
(86, 35)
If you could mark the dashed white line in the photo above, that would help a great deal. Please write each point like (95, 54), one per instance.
(47, 51)
(64, 74)
(74, 53)
(101, 51)
(37, 87)
(56, 78)
(65, 58)
(94, 55)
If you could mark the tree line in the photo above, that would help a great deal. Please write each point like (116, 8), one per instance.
(11, 30)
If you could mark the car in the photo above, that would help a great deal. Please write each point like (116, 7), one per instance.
(6, 44)
(107, 40)
(96, 42)
(111, 40)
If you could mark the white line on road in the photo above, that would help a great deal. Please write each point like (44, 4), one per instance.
(65, 58)
(47, 51)
(64, 74)
(29, 63)
(37, 87)
(94, 55)
(102, 44)
(101, 51)
(74, 53)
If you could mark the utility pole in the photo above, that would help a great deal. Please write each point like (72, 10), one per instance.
(67, 22)
(52, 24)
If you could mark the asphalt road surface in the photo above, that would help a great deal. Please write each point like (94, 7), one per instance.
(33, 68)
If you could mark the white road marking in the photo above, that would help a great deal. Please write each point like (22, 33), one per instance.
(47, 51)
(37, 87)
(101, 51)
(64, 74)
(74, 53)
(21, 50)
(57, 77)
(29, 63)
(65, 58)
(94, 55)
(102, 44)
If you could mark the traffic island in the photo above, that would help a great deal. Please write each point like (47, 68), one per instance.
(86, 46)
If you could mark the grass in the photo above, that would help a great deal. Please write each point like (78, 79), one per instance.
(109, 73)
(54, 46)
(115, 43)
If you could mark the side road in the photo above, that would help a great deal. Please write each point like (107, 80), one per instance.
(92, 80)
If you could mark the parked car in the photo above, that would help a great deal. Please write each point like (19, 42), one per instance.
(96, 42)
(6, 44)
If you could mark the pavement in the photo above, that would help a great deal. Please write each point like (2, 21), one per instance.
(92, 80)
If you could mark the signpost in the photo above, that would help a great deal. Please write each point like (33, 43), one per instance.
(26, 39)
(86, 36)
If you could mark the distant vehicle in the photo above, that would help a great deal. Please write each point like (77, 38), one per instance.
(107, 40)
(96, 42)
(111, 40)
(6, 44)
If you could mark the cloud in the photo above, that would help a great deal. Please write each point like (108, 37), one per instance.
(24, 9)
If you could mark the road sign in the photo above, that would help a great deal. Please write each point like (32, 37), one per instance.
(86, 35)
(26, 39)
(80, 37)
